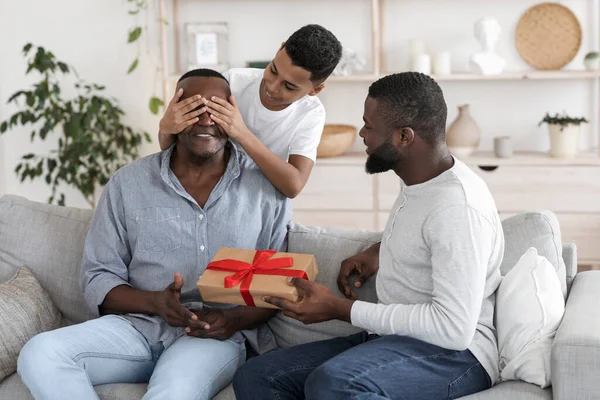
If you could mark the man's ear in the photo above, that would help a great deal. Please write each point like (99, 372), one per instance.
(403, 137)
(317, 89)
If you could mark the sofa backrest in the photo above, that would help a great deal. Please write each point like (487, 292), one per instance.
(332, 245)
(49, 241)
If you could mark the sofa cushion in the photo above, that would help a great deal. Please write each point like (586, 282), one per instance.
(529, 308)
(513, 390)
(14, 389)
(25, 311)
(330, 246)
(49, 241)
(534, 229)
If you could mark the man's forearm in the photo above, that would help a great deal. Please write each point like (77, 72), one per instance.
(251, 317)
(124, 299)
(375, 248)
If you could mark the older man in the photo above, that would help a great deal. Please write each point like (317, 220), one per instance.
(158, 224)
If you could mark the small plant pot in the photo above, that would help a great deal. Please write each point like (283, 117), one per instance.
(591, 61)
(564, 140)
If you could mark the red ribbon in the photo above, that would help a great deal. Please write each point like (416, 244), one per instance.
(262, 264)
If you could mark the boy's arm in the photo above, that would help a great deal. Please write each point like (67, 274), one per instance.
(288, 177)
(178, 116)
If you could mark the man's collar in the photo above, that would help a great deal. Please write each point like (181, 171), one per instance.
(231, 172)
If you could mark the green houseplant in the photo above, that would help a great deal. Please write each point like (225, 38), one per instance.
(93, 142)
(564, 134)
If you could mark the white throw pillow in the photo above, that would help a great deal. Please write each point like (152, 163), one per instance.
(529, 309)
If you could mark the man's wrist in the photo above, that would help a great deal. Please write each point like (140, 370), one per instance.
(343, 309)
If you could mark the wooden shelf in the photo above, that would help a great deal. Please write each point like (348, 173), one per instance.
(484, 159)
(531, 158)
(464, 76)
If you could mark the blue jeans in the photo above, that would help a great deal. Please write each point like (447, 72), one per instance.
(66, 363)
(361, 366)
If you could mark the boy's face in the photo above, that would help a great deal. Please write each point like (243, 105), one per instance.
(283, 83)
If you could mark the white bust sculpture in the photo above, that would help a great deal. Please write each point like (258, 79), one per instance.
(486, 62)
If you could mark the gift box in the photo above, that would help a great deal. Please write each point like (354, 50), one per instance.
(239, 276)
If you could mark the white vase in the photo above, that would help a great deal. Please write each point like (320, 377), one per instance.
(564, 140)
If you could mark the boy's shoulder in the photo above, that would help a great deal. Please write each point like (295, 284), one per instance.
(242, 76)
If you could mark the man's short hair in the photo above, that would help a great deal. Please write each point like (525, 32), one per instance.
(203, 72)
(314, 49)
(412, 99)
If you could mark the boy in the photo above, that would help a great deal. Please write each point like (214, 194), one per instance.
(273, 114)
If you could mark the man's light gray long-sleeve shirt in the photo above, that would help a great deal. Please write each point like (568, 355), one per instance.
(146, 227)
(439, 267)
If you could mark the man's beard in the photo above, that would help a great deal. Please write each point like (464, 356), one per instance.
(383, 158)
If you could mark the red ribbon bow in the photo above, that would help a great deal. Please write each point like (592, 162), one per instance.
(261, 265)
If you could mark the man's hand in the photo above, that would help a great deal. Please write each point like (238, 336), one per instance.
(317, 303)
(214, 323)
(364, 264)
(166, 304)
(180, 115)
(228, 117)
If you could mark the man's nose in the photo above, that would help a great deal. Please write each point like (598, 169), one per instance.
(205, 120)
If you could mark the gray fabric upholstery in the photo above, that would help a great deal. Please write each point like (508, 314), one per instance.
(225, 394)
(569, 255)
(25, 311)
(576, 351)
(49, 241)
(14, 389)
(533, 229)
(516, 390)
(330, 247)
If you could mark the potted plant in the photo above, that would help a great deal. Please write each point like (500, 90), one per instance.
(564, 134)
(93, 142)
(591, 61)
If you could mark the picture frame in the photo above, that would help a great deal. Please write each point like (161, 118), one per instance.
(207, 45)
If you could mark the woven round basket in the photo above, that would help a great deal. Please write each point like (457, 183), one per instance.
(336, 140)
(548, 36)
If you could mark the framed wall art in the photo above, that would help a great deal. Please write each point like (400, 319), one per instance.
(207, 45)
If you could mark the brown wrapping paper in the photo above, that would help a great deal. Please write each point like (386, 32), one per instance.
(211, 283)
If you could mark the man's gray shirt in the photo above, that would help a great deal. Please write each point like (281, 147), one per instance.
(146, 227)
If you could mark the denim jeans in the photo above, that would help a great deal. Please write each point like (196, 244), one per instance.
(361, 366)
(66, 363)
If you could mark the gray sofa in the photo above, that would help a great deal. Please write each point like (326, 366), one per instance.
(49, 239)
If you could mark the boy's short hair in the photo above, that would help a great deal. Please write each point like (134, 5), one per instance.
(315, 49)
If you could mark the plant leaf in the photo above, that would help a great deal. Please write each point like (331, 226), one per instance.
(26, 48)
(63, 67)
(133, 66)
(3, 127)
(28, 156)
(134, 34)
(155, 103)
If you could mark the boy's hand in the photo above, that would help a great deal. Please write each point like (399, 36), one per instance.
(228, 117)
(180, 114)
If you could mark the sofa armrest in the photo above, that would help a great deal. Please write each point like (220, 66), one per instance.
(576, 348)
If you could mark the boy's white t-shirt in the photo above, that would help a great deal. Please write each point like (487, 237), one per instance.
(296, 129)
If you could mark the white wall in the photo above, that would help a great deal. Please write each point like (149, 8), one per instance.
(88, 34)
(91, 35)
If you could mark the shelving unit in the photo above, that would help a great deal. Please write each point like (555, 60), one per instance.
(378, 54)
(569, 187)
